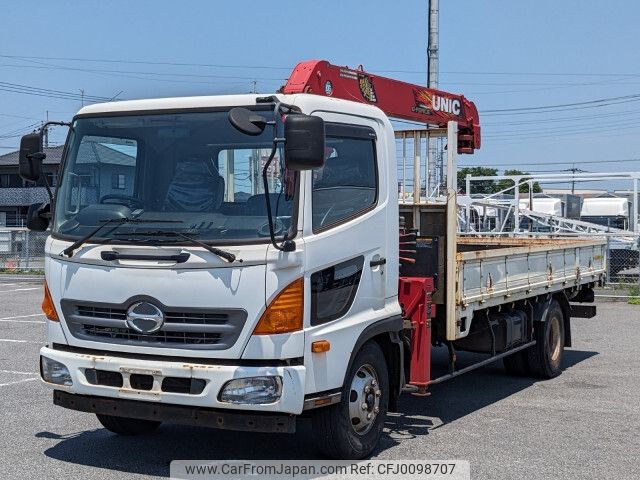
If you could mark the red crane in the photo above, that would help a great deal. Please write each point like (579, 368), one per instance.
(408, 102)
(397, 99)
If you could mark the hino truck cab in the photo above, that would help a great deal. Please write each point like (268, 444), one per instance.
(222, 261)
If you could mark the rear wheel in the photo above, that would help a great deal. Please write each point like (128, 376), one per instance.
(545, 357)
(127, 426)
(351, 429)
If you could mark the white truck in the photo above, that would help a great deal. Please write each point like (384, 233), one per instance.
(616, 214)
(235, 262)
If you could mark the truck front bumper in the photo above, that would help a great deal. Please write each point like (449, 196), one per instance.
(185, 415)
(143, 380)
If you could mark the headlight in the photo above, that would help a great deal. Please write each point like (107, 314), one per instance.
(252, 390)
(55, 372)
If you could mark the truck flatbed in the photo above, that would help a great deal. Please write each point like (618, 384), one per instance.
(490, 270)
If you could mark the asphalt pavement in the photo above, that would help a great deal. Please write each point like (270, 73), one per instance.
(584, 424)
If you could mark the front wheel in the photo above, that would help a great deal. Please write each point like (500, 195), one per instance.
(351, 429)
(127, 426)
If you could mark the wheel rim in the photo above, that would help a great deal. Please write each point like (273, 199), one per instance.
(364, 399)
(555, 342)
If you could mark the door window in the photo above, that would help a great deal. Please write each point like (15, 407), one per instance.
(347, 185)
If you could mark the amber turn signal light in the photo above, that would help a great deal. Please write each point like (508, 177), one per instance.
(48, 308)
(320, 346)
(284, 313)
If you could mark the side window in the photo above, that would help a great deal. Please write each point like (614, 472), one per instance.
(333, 290)
(347, 185)
(118, 181)
(244, 192)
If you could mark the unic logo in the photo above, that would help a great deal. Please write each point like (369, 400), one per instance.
(447, 105)
(428, 103)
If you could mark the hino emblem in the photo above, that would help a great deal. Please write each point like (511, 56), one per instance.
(145, 317)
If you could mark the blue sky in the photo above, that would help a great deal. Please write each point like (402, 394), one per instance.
(500, 54)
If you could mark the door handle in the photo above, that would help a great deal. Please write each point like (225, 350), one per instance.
(378, 262)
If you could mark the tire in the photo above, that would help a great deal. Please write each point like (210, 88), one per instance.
(348, 430)
(545, 357)
(127, 426)
(516, 364)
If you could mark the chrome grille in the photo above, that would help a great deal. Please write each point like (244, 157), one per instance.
(197, 318)
(101, 312)
(164, 337)
(196, 328)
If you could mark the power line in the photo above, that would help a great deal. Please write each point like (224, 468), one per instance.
(571, 162)
(567, 106)
(17, 116)
(130, 73)
(45, 92)
(578, 118)
(541, 74)
(146, 62)
(626, 123)
(272, 67)
(561, 132)
(19, 132)
(540, 89)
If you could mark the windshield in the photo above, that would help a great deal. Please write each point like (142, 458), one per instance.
(192, 172)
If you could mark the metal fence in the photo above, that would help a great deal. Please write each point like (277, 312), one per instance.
(21, 250)
(624, 266)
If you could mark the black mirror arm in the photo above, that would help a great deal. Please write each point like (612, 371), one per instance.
(287, 245)
(60, 124)
(48, 188)
(278, 109)
(40, 156)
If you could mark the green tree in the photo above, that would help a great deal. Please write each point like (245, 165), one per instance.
(481, 186)
(524, 188)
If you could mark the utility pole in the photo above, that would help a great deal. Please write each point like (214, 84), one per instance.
(46, 133)
(574, 170)
(255, 86)
(82, 96)
(432, 82)
(432, 48)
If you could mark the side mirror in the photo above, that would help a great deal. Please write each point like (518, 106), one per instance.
(38, 216)
(31, 157)
(304, 147)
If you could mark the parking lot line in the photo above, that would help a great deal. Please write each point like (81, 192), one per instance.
(23, 321)
(20, 341)
(23, 316)
(20, 290)
(13, 372)
(18, 319)
(18, 381)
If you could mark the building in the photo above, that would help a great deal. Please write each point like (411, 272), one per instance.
(15, 194)
(103, 168)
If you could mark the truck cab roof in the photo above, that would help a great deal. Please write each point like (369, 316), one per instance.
(308, 103)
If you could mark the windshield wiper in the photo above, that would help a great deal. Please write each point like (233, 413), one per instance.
(228, 256)
(112, 221)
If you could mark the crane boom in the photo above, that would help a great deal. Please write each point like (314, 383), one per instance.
(397, 99)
